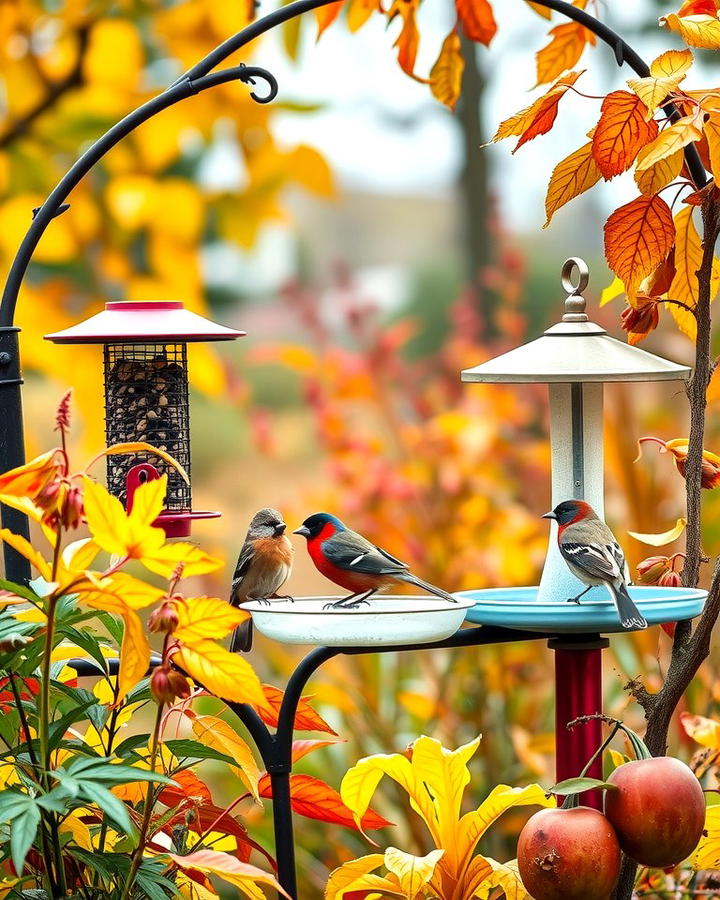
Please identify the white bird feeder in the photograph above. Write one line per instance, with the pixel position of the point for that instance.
(575, 358)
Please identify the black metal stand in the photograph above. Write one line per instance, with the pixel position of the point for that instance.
(275, 748)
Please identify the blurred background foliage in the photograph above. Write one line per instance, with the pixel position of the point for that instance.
(338, 399)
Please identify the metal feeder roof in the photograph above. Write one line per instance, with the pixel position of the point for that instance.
(147, 322)
(576, 350)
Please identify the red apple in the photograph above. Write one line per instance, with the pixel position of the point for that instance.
(658, 810)
(568, 854)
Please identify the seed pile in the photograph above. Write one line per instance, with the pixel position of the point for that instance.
(147, 400)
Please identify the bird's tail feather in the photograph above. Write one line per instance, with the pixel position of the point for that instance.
(242, 639)
(630, 615)
(426, 586)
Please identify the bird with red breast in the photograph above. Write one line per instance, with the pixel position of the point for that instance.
(354, 563)
(594, 556)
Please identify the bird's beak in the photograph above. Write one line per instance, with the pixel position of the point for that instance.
(280, 528)
(549, 515)
(305, 532)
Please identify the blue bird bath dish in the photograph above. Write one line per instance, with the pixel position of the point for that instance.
(518, 608)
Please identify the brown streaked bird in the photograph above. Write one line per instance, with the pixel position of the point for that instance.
(263, 567)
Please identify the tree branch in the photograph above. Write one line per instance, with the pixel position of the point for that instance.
(56, 90)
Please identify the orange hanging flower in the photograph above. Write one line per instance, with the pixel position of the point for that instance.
(678, 447)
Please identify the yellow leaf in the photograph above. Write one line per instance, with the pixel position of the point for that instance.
(413, 872)
(359, 783)
(666, 73)
(359, 12)
(563, 51)
(571, 177)
(115, 531)
(117, 40)
(165, 560)
(669, 141)
(446, 74)
(326, 15)
(79, 555)
(224, 674)
(659, 540)
(191, 890)
(25, 505)
(707, 854)
(702, 730)
(206, 617)
(507, 877)
(540, 10)
(711, 127)
(309, 169)
(474, 824)
(659, 175)
(26, 549)
(696, 31)
(240, 875)
(355, 875)
(684, 287)
(137, 446)
(29, 479)
(216, 733)
(132, 591)
(613, 290)
(132, 200)
(73, 824)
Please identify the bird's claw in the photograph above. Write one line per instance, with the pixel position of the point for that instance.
(574, 600)
(343, 603)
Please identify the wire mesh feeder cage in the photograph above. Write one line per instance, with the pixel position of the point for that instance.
(147, 395)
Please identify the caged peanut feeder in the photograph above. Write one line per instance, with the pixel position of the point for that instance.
(146, 395)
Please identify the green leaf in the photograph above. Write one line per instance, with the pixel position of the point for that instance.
(580, 784)
(23, 814)
(196, 750)
(130, 744)
(58, 728)
(87, 641)
(21, 590)
(97, 712)
(140, 693)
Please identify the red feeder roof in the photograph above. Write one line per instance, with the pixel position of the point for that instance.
(144, 322)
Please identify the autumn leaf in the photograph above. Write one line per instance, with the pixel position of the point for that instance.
(707, 853)
(356, 876)
(122, 534)
(359, 11)
(711, 127)
(224, 674)
(538, 118)
(206, 617)
(22, 546)
(314, 799)
(638, 236)
(665, 537)
(30, 478)
(539, 9)
(660, 174)
(673, 138)
(621, 132)
(413, 872)
(165, 559)
(446, 74)
(666, 73)
(571, 177)
(409, 37)
(306, 718)
(216, 733)
(678, 448)
(563, 51)
(326, 15)
(477, 20)
(241, 875)
(704, 731)
(684, 287)
(697, 31)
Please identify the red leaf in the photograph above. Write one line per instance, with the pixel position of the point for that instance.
(314, 799)
(302, 748)
(621, 133)
(477, 20)
(306, 719)
(206, 815)
(190, 787)
(545, 110)
(698, 8)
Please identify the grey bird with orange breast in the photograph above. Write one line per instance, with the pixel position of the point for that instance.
(594, 556)
(263, 567)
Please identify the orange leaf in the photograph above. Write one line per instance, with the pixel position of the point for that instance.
(700, 30)
(306, 719)
(409, 38)
(302, 748)
(326, 15)
(638, 236)
(540, 10)
(312, 798)
(189, 787)
(446, 74)
(359, 12)
(563, 51)
(698, 8)
(712, 133)
(538, 118)
(477, 20)
(621, 132)
(571, 177)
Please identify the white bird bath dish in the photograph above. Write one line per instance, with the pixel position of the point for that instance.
(388, 620)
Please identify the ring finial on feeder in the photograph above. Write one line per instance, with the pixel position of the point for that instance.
(575, 302)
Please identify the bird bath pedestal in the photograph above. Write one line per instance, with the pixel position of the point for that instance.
(574, 358)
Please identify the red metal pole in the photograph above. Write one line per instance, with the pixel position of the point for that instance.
(578, 692)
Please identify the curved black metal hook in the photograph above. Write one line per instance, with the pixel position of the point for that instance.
(246, 74)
